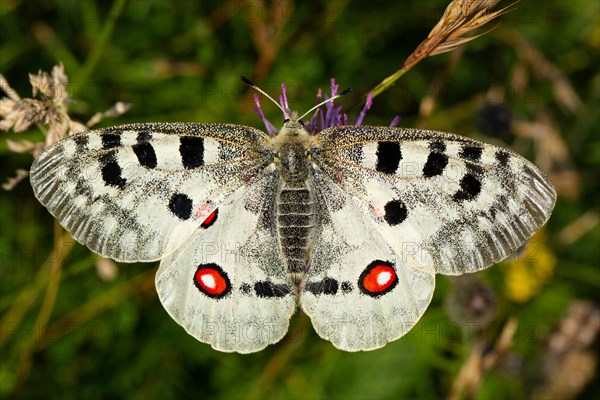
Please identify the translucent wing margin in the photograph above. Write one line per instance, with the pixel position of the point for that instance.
(455, 204)
(136, 192)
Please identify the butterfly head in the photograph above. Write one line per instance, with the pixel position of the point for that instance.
(293, 124)
(293, 131)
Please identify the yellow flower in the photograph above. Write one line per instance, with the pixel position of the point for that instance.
(529, 269)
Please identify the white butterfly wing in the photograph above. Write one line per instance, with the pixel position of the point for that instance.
(359, 292)
(136, 192)
(398, 206)
(228, 286)
(454, 204)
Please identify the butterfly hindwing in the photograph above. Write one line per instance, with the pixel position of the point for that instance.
(438, 199)
(359, 292)
(135, 192)
(229, 287)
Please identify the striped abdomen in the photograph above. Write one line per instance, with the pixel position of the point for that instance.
(295, 222)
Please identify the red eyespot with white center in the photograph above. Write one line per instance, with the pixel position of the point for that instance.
(211, 280)
(378, 278)
(207, 213)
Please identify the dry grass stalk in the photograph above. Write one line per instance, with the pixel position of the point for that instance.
(481, 361)
(48, 108)
(460, 18)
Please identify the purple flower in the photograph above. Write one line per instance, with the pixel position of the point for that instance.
(324, 117)
(271, 129)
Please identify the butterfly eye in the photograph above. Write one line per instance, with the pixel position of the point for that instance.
(301, 123)
(315, 151)
(285, 121)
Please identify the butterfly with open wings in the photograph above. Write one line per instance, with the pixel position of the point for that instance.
(350, 224)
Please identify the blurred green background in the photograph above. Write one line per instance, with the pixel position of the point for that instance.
(524, 328)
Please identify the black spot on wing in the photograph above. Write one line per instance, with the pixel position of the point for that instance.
(327, 286)
(388, 157)
(395, 212)
(475, 169)
(437, 146)
(111, 171)
(346, 287)
(144, 136)
(181, 205)
(471, 153)
(469, 188)
(436, 160)
(81, 142)
(145, 154)
(191, 149)
(502, 157)
(111, 140)
(111, 174)
(269, 289)
(435, 164)
(246, 289)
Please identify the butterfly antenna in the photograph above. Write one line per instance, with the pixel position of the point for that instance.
(345, 92)
(259, 90)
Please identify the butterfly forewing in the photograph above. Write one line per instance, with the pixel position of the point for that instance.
(135, 192)
(438, 199)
